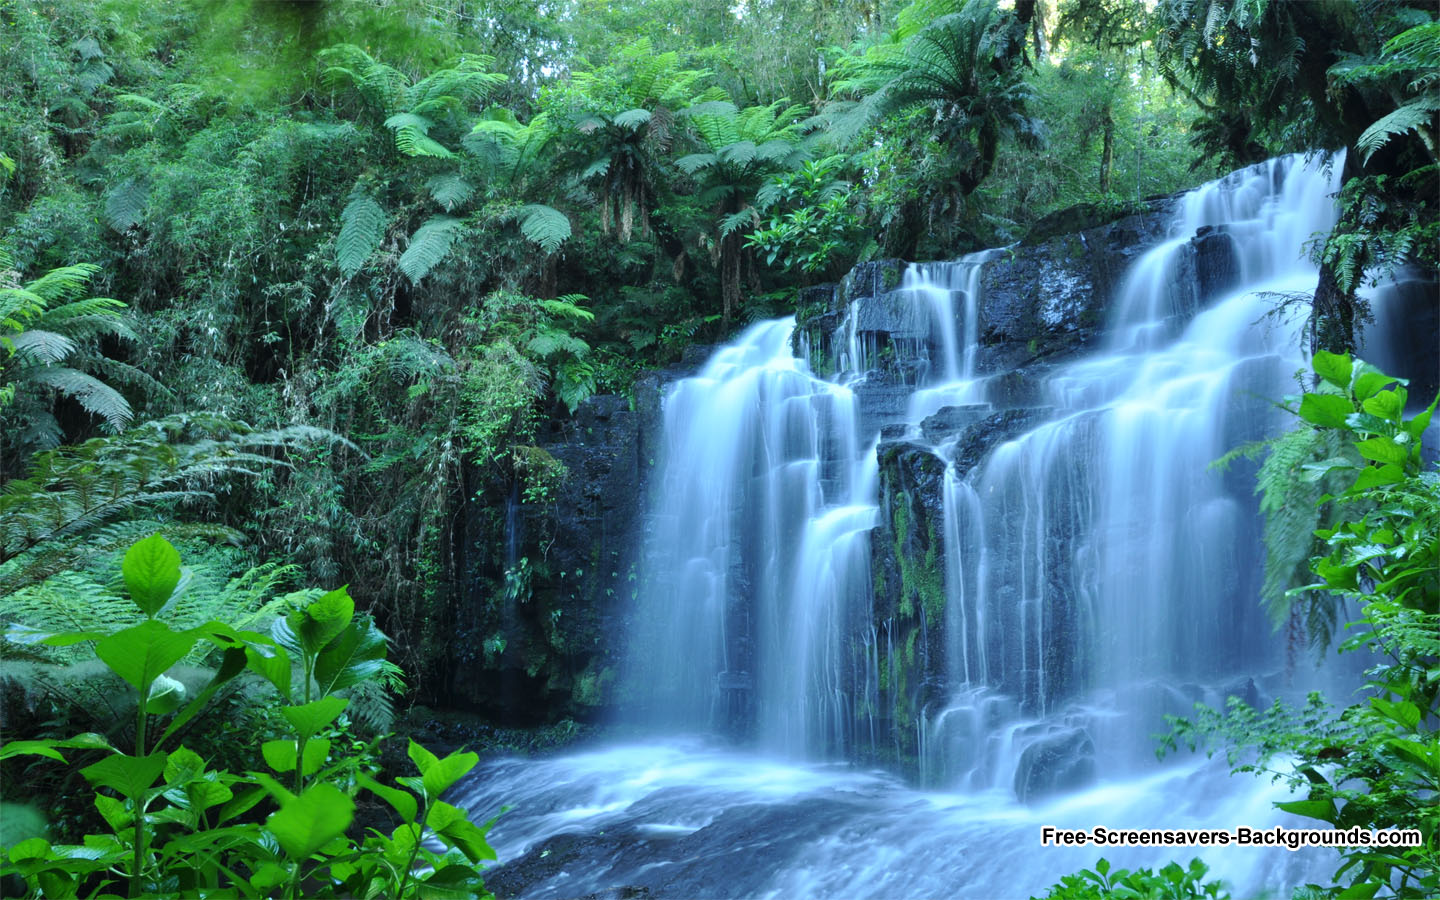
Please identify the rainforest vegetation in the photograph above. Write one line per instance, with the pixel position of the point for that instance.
(291, 290)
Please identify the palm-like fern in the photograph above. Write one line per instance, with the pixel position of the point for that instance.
(52, 332)
(512, 153)
(628, 130)
(740, 150)
(959, 67)
(1409, 66)
(412, 109)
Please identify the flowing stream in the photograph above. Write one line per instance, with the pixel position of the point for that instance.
(1096, 575)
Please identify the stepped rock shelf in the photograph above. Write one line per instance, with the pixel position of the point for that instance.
(956, 523)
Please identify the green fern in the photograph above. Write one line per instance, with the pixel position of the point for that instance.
(125, 205)
(449, 191)
(429, 245)
(1289, 501)
(1410, 117)
(544, 225)
(362, 228)
(72, 490)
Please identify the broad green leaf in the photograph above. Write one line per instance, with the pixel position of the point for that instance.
(26, 634)
(1382, 450)
(351, 658)
(151, 569)
(1363, 890)
(130, 776)
(319, 623)
(87, 741)
(456, 828)
(1323, 810)
(452, 883)
(402, 801)
(1389, 405)
(182, 765)
(115, 813)
(308, 718)
(1334, 368)
(207, 792)
(1402, 712)
(1416, 426)
(166, 695)
(32, 848)
(143, 652)
(1371, 476)
(308, 822)
(1368, 383)
(1326, 410)
(240, 804)
(1427, 758)
(280, 755)
(445, 772)
(274, 668)
(231, 665)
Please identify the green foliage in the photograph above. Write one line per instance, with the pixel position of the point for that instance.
(209, 831)
(362, 228)
(428, 245)
(1374, 764)
(71, 490)
(1172, 882)
(812, 226)
(53, 329)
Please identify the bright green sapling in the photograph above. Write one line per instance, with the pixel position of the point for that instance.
(178, 828)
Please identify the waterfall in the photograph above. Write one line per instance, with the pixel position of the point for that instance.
(758, 554)
(1094, 573)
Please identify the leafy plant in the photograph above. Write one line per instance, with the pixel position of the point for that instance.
(1375, 764)
(177, 826)
(1172, 882)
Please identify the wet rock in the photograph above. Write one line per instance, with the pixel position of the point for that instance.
(1055, 762)
(1051, 295)
(949, 421)
(978, 439)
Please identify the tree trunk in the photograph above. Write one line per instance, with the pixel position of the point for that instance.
(1334, 313)
(729, 277)
(1107, 150)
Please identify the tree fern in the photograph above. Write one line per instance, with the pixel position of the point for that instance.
(362, 228)
(1289, 501)
(94, 395)
(1413, 116)
(544, 225)
(450, 190)
(429, 245)
(125, 205)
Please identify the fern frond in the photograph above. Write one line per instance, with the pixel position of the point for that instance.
(449, 191)
(362, 228)
(1407, 118)
(544, 225)
(429, 245)
(125, 205)
(97, 397)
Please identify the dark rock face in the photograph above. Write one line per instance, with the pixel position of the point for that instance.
(1056, 762)
(538, 633)
(1052, 296)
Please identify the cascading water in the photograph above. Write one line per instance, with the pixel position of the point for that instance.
(1096, 574)
(758, 538)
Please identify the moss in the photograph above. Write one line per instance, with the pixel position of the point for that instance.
(592, 687)
(890, 277)
(930, 582)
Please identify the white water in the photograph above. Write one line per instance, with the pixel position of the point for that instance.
(1097, 575)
